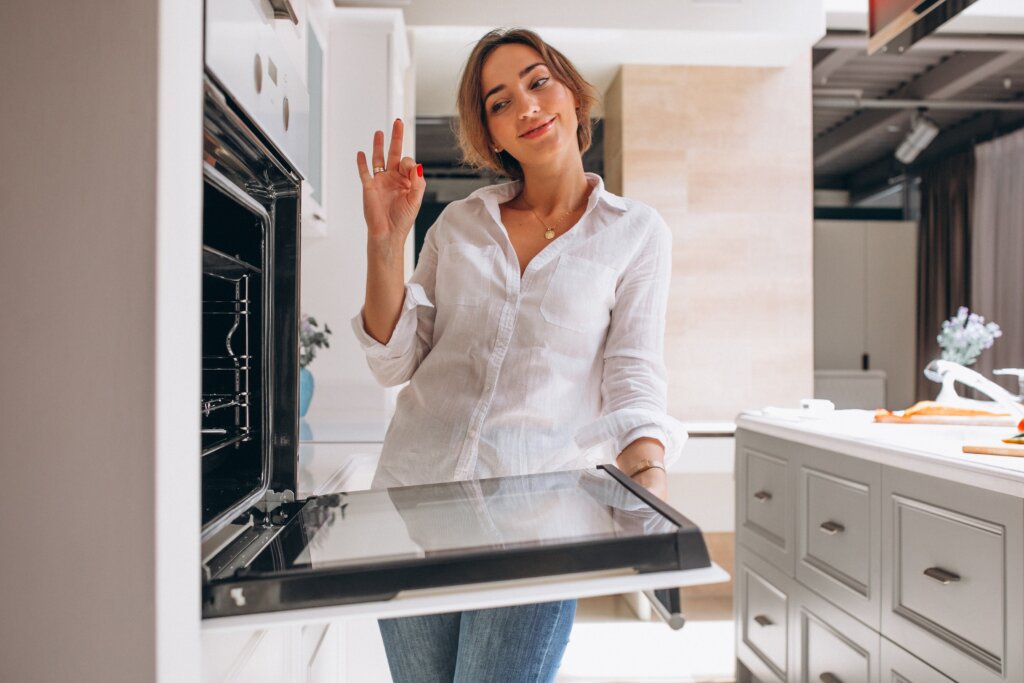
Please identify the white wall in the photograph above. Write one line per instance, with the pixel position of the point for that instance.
(99, 274)
(367, 71)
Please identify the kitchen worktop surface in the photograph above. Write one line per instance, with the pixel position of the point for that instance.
(935, 450)
(370, 428)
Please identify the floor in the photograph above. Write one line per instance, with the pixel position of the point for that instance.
(609, 644)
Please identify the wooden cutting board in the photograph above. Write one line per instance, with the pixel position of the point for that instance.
(996, 449)
(962, 420)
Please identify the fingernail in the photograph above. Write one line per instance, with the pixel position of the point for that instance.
(419, 170)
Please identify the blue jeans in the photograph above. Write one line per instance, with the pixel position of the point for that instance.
(518, 644)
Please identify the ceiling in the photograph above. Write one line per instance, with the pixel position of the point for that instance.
(854, 146)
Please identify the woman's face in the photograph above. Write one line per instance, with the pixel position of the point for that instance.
(529, 114)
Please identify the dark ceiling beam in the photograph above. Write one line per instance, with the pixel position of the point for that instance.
(946, 80)
(936, 42)
(855, 132)
(834, 61)
(964, 71)
(876, 175)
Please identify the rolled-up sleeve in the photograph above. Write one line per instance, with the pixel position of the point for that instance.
(634, 384)
(396, 361)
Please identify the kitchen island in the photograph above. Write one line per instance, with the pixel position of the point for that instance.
(876, 552)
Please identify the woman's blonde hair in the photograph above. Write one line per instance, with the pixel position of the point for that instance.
(473, 136)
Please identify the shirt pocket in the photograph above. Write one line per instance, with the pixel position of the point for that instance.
(580, 294)
(465, 274)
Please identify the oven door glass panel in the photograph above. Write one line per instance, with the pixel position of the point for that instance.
(369, 545)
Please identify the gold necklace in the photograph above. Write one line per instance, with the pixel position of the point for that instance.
(549, 232)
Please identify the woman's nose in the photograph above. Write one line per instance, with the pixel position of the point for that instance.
(528, 107)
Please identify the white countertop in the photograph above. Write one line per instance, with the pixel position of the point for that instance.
(935, 450)
(367, 427)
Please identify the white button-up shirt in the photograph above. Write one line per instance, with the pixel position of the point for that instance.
(561, 368)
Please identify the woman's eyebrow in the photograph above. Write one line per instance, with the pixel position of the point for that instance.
(522, 73)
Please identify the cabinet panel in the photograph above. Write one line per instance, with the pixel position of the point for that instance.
(762, 617)
(319, 660)
(832, 647)
(838, 531)
(260, 656)
(952, 584)
(899, 666)
(764, 498)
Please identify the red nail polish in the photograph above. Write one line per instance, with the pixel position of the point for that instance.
(419, 170)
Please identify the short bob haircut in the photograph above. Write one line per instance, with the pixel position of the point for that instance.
(474, 138)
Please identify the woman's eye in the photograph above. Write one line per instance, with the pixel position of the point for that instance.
(540, 81)
(497, 106)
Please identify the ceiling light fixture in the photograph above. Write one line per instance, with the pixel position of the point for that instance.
(922, 131)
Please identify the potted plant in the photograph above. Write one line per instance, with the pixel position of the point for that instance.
(311, 338)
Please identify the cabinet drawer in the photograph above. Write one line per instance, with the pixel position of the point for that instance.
(899, 666)
(838, 532)
(953, 575)
(765, 502)
(763, 617)
(834, 647)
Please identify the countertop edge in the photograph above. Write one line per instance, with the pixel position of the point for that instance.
(922, 462)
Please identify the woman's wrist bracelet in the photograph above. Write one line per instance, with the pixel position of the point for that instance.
(647, 464)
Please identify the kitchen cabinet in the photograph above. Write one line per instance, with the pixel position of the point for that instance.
(865, 276)
(893, 556)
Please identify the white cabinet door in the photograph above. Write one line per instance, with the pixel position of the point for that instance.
(259, 656)
(865, 277)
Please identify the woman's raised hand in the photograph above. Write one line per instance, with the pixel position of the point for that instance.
(392, 197)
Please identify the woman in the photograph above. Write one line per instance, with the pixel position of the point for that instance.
(531, 332)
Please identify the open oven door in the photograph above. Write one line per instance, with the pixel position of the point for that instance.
(449, 546)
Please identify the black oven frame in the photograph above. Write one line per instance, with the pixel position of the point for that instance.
(258, 187)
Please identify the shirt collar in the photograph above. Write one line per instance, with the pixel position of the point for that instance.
(493, 195)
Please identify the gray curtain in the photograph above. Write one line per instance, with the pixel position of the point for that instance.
(997, 250)
(944, 254)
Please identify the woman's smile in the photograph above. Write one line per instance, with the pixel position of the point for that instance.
(536, 132)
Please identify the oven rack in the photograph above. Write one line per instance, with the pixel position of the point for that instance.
(225, 266)
(227, 365)
(214, 402)
(215, 439)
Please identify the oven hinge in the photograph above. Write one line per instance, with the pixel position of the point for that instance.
(273, 499)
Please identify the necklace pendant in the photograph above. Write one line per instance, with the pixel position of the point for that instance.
(549, 234)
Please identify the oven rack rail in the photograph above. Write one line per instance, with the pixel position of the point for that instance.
(229, 436)
(225, 266)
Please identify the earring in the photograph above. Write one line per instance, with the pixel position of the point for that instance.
(497, 150)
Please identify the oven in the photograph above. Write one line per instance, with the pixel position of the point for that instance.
(264, 551)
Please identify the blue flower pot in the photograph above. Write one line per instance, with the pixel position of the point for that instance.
(305, 390)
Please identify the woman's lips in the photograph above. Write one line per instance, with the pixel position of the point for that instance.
(539, 130)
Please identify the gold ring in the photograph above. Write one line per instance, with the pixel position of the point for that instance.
(378, 169)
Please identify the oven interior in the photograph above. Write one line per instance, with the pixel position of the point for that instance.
(249, 406)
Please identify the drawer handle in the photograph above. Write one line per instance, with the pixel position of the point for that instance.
(762, 620)
(832, 528)
(829, 677)
(941, 575)
(762, 496)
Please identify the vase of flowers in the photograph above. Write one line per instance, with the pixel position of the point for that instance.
(962, 339)
(965, 336)
(311, 338)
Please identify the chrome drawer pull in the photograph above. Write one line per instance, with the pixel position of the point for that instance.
(762, 496)
(941, 575)
(762, 620)
(832, 528)
(828, 677)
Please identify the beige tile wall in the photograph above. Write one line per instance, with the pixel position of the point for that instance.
(724, 154)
